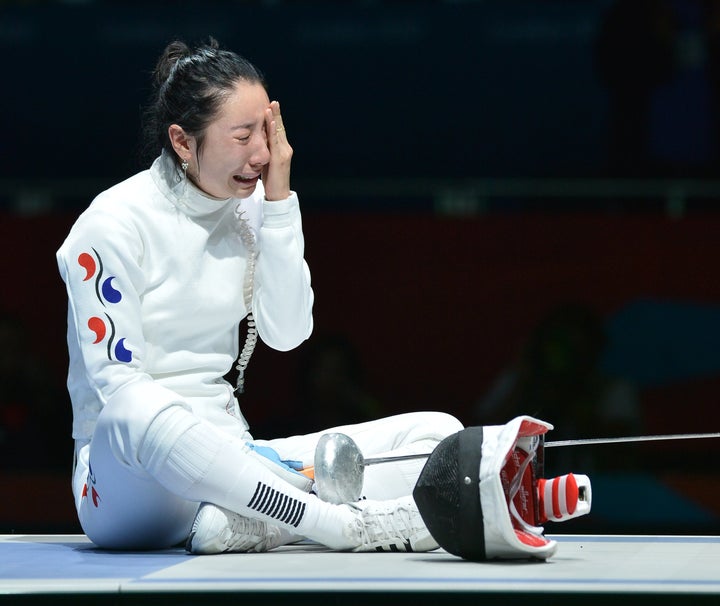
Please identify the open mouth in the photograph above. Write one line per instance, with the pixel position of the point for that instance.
(246, 180)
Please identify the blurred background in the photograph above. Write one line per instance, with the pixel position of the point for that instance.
(510, 207)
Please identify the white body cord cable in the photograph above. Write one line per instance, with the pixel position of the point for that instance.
(249, 240)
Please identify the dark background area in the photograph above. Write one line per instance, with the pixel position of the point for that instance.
(509, 207)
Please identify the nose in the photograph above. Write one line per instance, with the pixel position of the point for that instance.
(261, 153)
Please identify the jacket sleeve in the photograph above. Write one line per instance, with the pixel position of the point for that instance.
(283, 300)
(100, 265)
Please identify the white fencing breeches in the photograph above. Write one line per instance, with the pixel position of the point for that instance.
(139, 482)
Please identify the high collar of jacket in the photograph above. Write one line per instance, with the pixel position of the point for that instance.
(181, 191)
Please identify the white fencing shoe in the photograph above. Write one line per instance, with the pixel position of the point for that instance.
(394, 525)
(218, 530)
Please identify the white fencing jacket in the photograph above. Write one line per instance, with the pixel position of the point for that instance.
(154, 273)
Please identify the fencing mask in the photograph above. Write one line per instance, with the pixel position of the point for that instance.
(482, 496)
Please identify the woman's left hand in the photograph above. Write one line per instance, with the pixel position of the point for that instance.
(276, 174)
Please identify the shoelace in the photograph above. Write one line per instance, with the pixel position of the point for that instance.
(387, 526)
(241, 529)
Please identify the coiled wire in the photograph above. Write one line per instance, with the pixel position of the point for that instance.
(250, 241)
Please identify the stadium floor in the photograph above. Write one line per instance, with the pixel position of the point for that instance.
(64, 569)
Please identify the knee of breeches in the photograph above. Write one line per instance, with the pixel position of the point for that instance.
(443, 424)
(131, 426)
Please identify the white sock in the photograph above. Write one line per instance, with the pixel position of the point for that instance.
(193, 459)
